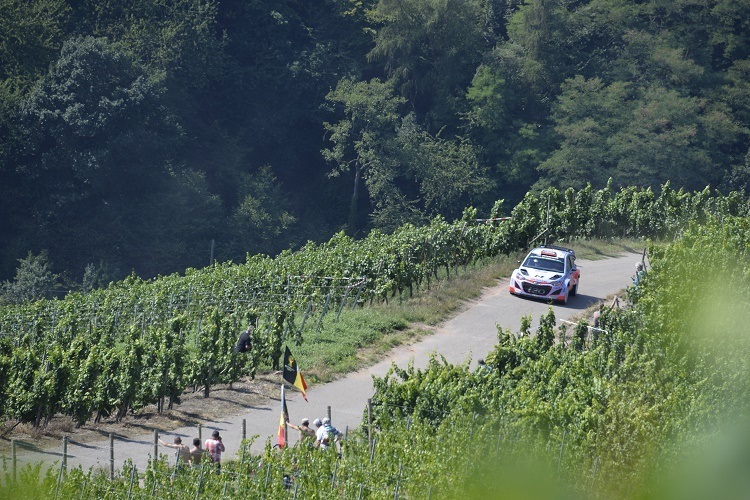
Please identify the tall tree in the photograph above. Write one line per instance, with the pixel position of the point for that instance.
(98, 166)
(638, 136)
(34, 280)
(31, 34)
(446, 173)
(507, 123)
(430, 48)
(362, 137)
(409, 173)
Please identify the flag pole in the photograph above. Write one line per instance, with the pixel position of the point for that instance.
(283, 404)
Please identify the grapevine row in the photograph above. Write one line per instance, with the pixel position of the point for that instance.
(141, 342)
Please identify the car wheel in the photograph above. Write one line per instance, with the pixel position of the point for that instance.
(564, 300)
(574, 290)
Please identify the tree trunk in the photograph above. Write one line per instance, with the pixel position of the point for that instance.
(38, 417)
(355, 201)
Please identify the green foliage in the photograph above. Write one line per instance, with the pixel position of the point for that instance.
(139, 342)
(34, 280)
(261, 215)
(136, 134)
(669, 374)
(640, 411)
(30, 37)
(430, 49)
(361, 140)
(637, 136)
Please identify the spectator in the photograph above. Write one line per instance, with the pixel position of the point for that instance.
(482, 367)
(214, 447)
(598, 313)
(183, 452)
(306, 433)
(196, 452)
(244, 343)
(640, 273)
(597, 316)
(327, 434)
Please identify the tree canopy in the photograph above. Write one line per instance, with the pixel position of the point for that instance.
(147, 136)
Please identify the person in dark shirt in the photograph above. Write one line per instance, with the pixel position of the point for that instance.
(244, 343)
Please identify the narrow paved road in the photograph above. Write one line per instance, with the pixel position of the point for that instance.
(469, 335)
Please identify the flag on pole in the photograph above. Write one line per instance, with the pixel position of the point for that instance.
(292, 373)
(283, 420)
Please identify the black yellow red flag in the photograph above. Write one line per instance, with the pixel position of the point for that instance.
(292, 373)
(283, 420)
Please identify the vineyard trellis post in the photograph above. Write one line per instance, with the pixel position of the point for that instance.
(546, 229)
(398, 481)
(307, 314)
(200, 480)
(369, 422)
(359, 293)
(13, 454)
(343, 302)
(156, 444)
(324, 310)
(562, 446)
(65, 453)
(111, 456)
(59, 479)
(333, 478)
(268, 476)
(132, 480)
(593, 475)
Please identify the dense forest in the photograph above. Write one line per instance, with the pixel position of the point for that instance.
(149, 136)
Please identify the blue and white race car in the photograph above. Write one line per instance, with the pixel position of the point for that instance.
(549, 273)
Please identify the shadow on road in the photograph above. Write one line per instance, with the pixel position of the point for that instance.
(580, 302)
(83, 445)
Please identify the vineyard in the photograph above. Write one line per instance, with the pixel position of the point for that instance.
(557, 413)
(118, 349)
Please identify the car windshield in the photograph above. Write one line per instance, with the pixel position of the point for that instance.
(544, 264)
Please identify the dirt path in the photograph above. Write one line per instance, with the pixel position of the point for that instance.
(468, 336)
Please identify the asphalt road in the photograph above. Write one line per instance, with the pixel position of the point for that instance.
(468, 336)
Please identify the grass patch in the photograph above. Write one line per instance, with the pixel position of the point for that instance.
(603, 249)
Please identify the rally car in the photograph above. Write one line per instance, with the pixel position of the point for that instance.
(549, 273)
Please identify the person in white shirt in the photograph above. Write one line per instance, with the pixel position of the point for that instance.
(327, 434)
(214, 447)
